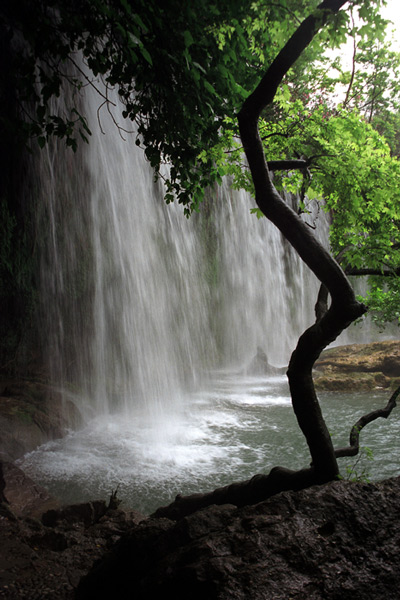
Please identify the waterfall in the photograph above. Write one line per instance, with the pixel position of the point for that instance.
(138, 303)
(149, 321)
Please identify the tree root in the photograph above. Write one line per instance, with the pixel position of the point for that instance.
(261, 487)
(252, 491)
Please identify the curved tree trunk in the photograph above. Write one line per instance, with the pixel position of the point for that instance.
(344, 308)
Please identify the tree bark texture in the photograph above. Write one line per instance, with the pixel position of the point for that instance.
(344, 307)
(343, 310)
(252, 491)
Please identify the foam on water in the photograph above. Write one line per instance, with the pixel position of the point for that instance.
(207, 445)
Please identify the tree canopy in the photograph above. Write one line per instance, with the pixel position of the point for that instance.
(179, 89)
(184, 91)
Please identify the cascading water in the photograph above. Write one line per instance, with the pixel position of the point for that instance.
(140, 306)
(139, 301)
(123, 298)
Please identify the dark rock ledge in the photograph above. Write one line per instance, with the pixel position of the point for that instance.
(339, 541)
(45, 549)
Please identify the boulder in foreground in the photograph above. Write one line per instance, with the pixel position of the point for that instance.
(337, 541)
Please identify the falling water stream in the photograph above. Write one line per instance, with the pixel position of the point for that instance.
(150, 320)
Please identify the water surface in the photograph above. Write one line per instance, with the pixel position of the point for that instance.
(238, 427)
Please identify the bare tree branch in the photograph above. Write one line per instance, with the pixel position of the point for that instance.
(354, 446)
(321, 306)
(256, 489)
(380, 272)
(287, 165)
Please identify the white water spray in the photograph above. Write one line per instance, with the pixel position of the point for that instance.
(139, 302)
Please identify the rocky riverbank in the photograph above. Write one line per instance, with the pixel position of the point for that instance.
(359, 367)
(337, 541)
(46, 549)
(330, 542)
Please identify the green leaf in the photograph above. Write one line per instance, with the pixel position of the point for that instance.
(256, 211)
(146, 55)
(188, 39)
(209, 87)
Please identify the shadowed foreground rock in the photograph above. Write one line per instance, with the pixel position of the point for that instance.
(45, 549)
(337, 541)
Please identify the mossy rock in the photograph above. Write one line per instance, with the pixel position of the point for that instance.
(359, 367)
(352, 382)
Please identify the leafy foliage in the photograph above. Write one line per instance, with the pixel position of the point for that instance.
(180, 89)
(358, 471)
(184, 90)
(344, 127)
(383, 300)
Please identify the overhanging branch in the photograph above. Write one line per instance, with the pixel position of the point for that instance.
(354, 446)
(287, 165)
(380, 272)
(267, 88)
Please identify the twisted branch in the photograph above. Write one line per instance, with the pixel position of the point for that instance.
(354, 446)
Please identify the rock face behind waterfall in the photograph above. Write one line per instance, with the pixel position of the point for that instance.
(336, 541)
(31, 413)
(260, 365)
